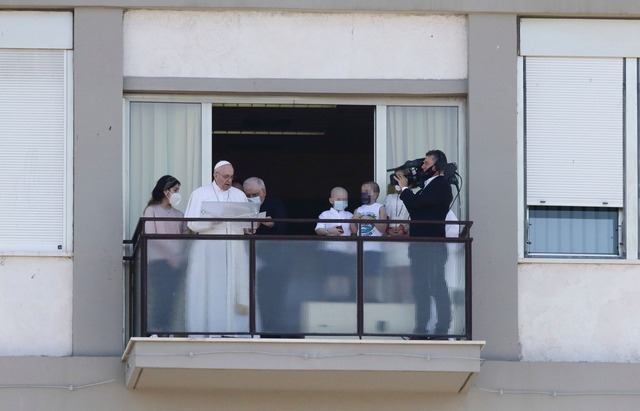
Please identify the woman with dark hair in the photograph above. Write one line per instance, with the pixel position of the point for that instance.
(166, 258)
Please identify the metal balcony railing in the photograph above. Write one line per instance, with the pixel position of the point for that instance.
(297, 286)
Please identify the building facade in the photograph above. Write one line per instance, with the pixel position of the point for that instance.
(535, 100)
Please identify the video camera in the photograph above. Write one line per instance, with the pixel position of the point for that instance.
(412, 169)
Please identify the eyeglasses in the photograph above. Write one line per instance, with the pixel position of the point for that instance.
(227, 177)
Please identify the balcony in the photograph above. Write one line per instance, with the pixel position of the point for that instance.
(294, 312)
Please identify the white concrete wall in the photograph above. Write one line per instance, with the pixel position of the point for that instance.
(35, 306)
(234, 44)
(579, 311)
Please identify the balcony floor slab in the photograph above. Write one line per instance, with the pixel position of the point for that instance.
(301, 364)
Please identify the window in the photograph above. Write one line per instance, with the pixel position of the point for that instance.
(173, 135)
(35, 125)
(573, 230)
(574, 153)
(578, 132)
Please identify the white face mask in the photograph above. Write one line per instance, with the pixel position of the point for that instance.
(174, 199)
(340, 205)
(255, 200)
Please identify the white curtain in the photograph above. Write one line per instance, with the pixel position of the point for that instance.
(164, 138)
(412, 131)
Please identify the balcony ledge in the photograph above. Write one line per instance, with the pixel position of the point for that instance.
(301, 364)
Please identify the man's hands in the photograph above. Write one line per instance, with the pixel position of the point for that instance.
(267, 223)
(401, 179)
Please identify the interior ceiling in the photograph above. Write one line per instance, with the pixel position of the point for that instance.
(279, 119)
(327, 130)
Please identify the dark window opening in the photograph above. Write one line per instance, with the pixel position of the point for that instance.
(301, 152)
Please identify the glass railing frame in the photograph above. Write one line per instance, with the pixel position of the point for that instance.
(136, 323)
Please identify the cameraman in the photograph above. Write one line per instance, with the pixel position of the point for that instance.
(431, 202)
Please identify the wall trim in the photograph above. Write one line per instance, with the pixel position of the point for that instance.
(296, 86)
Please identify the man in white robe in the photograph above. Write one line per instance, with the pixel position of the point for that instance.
(218, 274)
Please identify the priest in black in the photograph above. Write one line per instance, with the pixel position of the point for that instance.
(272, 276)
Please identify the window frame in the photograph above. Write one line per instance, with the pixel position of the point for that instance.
(52, 32)
(628, 214)
(561, 254)
(380, 128)
(535, 35)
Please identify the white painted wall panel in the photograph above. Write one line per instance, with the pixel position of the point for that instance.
(579, 312)
(35, 306)
(36, 30)
(579, 37)
(234, 44)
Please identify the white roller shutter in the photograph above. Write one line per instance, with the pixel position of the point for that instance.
(574, 131)
(33, 130)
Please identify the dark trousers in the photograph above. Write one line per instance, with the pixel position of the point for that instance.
(272, 286)
(165, 290)
(338, 276)
(427, 275)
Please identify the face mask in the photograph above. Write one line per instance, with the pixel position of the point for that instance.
(340, 205)
(255, 200)
(175, 199)
(428, 174)
(365, 198)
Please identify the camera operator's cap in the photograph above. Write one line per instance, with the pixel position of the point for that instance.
(220, 164)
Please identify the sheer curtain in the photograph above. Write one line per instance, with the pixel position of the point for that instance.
(411, 132)
(164, 138)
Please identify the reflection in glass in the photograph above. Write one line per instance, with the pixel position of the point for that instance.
(398, 312)
(303, 287)
(217, 286)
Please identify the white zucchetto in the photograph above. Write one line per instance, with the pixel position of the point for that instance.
(220, 164)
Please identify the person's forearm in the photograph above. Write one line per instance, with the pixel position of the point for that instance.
(199, 226)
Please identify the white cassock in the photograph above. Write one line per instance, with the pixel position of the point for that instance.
(218, 275)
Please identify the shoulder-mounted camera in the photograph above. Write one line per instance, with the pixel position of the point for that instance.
(412, 169)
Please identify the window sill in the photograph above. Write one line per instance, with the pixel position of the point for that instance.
(61, 254)
(576, 260)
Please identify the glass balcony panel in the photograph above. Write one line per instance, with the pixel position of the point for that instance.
(305, 287)
(166, 279)
(388, 300)
(280, 266)
(423, 290)
(200, 285)
(135, 295)
(454, 270)
(217, 286)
